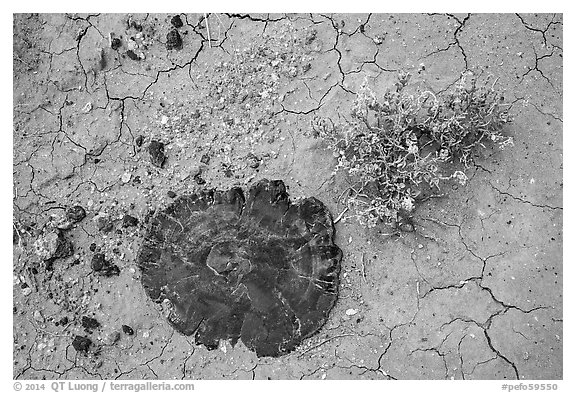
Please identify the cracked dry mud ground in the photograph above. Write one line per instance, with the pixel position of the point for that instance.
(475, 292)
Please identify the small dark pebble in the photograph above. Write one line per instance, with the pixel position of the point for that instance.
(110, 270)
(116, 43)
(176, 21)
(132, 55)
(64, 321)
(93, 247)
(136, 180)
(81, 343)
(173, 40)
(137, 26)
(128, 330)
(90, 324)
(98, 262)
(139, 140)
(156, 150)
(205, 159)
(104, 225)
(171, 194)
(102, 266)
(129, 221)
(75, 213)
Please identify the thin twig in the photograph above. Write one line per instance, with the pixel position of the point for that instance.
(324, 342)
(340, 215)
(18, 233)
(208, 30)
(363, 268)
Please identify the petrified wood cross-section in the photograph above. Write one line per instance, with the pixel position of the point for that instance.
(260, 268)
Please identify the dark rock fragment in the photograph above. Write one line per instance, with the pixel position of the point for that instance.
(98, 262)
(116, 43)
(176, 21)
(132, 55)
(135, 25)
(157, 156)
(105, 224)
(139, 140)
(257, 268)
(129, 221)
(106, 268)
(171, 194)
(173, 40)
(128, 330)
(81, 343)
(110, 270)
(89, 324)
(52, 244)
(92, 247)
(102, 62)
(205, 159)
(75, 214)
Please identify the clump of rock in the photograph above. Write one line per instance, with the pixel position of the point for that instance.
(52, 244)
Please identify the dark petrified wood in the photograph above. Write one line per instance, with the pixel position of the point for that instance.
(260, 269)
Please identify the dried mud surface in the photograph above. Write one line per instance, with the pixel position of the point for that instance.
(120, 125)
